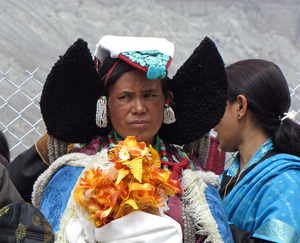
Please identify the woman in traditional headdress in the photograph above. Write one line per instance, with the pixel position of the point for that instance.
(130, 95)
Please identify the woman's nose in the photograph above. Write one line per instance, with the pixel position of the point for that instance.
(138, 106)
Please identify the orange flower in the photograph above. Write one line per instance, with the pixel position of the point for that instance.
(134, 148)
(135, 183)
(162, 178)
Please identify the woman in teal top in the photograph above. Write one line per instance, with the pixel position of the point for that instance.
(260, 189)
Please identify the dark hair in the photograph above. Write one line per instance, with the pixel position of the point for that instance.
(4, 148)
(267, 92)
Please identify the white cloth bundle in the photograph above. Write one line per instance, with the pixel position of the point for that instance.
(136, 227)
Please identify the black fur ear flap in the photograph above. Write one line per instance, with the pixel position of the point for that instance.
(70, 94)
(200, 95)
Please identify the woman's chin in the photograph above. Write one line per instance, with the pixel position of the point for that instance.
(141, 133)
(147, 139)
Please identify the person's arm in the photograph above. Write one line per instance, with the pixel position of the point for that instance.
(8, 192)
(276, 209)
(26, 168)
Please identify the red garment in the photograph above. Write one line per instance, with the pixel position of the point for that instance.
(216, 159)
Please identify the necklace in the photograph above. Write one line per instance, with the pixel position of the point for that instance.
(225, 192)
(111, 139)
(163, 152)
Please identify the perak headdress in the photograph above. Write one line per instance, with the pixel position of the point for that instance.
(72, 88)
(151, 55)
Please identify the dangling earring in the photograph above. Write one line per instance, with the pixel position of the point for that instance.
(169, 115)
(101, 112)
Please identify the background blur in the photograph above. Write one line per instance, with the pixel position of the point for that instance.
(34, 33)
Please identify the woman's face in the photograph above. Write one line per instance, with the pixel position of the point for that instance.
(228, 128)
(136, 106)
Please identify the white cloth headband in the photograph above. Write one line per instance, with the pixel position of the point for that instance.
(149, 54)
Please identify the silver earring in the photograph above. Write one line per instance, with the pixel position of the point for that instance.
(169, 115)
(101, 112)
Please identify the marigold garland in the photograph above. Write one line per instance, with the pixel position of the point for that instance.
(132, 182)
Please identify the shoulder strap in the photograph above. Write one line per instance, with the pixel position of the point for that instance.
(266, 156)
(227, 178)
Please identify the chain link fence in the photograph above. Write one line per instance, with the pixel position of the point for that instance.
(20, 116)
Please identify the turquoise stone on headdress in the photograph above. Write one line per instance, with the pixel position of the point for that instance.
(153, 61)
(155, 72)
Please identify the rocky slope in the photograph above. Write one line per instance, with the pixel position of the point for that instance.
(35, 32)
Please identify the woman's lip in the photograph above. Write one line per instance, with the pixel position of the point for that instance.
(139, 122)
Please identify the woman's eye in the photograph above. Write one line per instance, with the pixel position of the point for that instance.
(149, 95)
(124, 97)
